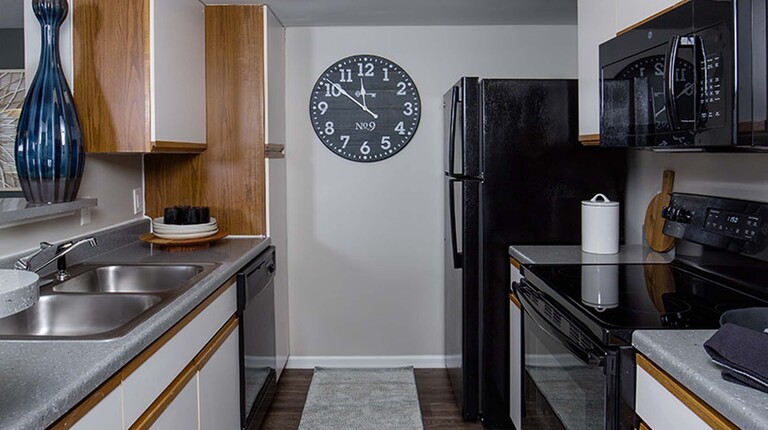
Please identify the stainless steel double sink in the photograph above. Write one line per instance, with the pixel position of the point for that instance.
(101, 301)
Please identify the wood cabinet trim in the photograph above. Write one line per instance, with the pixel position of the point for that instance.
(160, 404)
(274, 150)
(112, 74)
(514, 263)
(85, 406)
(663, 11)
(162, 146)
(210, 349)
(643, 426)
(707, 414)
(589, 139)
(167, 336)
(515, 301)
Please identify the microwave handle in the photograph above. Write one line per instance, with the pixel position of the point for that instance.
(700, 85)
(669, 82)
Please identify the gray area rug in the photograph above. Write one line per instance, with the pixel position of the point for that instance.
(362, 399)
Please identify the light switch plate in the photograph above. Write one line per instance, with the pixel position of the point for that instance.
(138, 201)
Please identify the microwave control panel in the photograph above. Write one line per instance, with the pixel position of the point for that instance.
(735, 225)
(712, 109)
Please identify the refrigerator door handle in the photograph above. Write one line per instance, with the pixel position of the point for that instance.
(457, 257)
(452, 133)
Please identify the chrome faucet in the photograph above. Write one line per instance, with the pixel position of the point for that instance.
(60, 258)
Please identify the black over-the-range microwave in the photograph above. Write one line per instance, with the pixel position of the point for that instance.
(692, 78)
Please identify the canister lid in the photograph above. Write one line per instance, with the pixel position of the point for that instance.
(595, 202)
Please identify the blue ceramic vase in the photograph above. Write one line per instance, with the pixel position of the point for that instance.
(49, 139)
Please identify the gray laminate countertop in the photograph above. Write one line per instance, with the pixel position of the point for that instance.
(572, 254)
(680, 353)
(42, 380)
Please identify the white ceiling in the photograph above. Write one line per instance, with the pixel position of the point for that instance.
(11, 13)
(301, 13)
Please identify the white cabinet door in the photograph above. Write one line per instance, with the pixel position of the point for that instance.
(515, 365)
(630, 12)
(177, 70)
(219, 382)
(596, 20)
(182, 412)
(106, 415)
(660, 409)
(147, 382)
(277, 212)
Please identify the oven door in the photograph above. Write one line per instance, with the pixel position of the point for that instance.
(569, 381)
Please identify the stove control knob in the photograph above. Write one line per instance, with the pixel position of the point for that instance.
(685, 216)
(666, 211)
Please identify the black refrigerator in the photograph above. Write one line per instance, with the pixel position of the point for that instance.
(515, 174)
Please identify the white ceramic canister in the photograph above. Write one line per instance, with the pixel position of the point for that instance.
(600, 225)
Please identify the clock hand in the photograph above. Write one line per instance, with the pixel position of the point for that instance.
(362, 92)
(343, 91)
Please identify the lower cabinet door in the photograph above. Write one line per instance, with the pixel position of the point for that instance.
(106, 415)
(220, 387)
(182, 412)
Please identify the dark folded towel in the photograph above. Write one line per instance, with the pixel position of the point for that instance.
(743, 353)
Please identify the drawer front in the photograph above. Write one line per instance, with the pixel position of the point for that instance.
(181, 413)
(145, 384)
(660, 409)
(106, 415)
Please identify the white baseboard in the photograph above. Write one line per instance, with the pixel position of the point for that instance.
(417, 361)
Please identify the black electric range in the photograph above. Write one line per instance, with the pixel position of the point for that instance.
(578, 320)
(643, 296)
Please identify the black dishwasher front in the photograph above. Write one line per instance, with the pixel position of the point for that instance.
(258, 358)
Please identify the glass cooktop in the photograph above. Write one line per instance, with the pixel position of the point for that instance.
(614, 300)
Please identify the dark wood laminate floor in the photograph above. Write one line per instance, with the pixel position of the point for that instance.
(438, 408)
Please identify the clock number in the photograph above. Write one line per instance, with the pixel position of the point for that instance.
(332, 90)
(346, 75)
(658, 69)
(408, 108)
(323, 106)
(400, 128)
(365, 149)
(401, 88)
(344, 140)
(329, 128)
(680, 75)
(385, 143)
(368, 69)
(386, 74)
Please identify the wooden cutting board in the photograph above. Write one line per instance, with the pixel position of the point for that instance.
(654, 223)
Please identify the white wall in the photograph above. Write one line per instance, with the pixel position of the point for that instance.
(109, 178)
(365, 240)
(739, 176)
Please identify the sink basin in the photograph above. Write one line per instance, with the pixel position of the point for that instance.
(59, 315)
(141, 279)
(101, 301)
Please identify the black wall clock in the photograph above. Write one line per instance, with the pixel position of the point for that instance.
(365, 108)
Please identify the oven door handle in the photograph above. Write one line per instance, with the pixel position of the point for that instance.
(592, 357)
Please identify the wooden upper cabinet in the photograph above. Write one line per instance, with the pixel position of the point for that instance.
(632, 12)
(139, 75)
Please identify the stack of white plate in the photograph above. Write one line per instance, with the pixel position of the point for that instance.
(190, 231)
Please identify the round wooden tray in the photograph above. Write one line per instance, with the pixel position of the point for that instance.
(177, 245)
